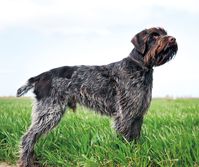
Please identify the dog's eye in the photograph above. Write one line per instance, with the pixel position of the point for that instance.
(155, 35)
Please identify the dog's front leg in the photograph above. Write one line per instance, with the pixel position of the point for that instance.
(130, 128)
(136, 128)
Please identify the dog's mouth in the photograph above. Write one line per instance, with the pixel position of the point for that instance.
(167, 53)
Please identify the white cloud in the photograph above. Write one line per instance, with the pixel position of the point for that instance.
(66, 16)
(189, 6)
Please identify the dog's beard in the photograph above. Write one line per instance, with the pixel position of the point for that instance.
(160, 53)
(166, 54)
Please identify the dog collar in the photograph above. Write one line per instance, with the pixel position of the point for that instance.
(140, 64)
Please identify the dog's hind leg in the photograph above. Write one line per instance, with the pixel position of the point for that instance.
(46, 115)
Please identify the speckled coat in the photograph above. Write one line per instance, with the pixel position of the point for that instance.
(121, 90)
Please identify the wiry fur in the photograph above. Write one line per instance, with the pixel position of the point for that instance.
(121, 90)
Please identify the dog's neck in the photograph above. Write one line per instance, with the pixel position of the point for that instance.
(138, 59)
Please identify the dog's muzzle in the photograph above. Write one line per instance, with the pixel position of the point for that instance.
(166, 50)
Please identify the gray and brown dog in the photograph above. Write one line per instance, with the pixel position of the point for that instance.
(121, 90)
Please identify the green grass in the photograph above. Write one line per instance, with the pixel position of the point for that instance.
(170, 136)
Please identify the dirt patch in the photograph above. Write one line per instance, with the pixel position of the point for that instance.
(7, 165)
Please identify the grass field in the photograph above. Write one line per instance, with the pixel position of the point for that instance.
(170, 136)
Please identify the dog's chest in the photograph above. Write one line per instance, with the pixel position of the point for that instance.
(146, 99)
(144, 92)
(137, 90)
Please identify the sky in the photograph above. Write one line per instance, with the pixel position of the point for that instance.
(38, 35)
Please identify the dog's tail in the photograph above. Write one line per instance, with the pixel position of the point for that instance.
(25, 88)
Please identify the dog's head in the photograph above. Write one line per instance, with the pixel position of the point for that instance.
(155, 45)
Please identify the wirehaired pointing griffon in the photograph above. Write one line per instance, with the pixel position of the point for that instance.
(121, 90)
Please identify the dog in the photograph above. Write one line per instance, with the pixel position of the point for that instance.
(122, 90)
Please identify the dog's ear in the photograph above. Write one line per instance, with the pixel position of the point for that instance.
(139, 41)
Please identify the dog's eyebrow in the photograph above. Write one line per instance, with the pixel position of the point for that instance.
(158, 30)
(155, 33)
(162, 30)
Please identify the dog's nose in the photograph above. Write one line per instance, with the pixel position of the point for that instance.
(171, 39)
